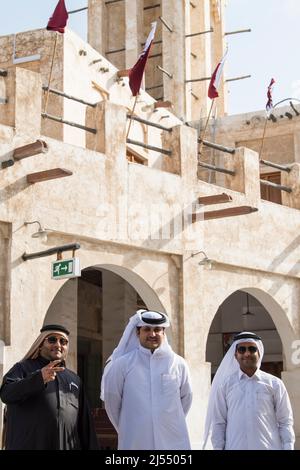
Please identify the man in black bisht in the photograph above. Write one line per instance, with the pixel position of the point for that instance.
(46, 405)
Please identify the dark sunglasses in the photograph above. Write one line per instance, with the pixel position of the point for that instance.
(54, 339)
(243, 349)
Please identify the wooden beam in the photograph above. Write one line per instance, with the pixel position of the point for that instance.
(57, 250)
(163, 104)
(275, 165)
(103, 92)
(212, 145)
(215, 168)
(123, 73)
(69, 123)
(170, 75)
(214, 199)
(237, 78)
(78, 9)
(48, 175)
(222, 213)
(238, 31)
(201, 32)
(166, 24)
(69, 97)
(29, 150)
(149, 147)
(149, 123)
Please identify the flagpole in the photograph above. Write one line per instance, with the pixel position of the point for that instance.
(51, 70)
(131, 114)
(263, 139)
(205, 127)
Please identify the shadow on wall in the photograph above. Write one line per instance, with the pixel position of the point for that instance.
(1, 377)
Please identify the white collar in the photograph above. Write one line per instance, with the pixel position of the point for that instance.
(160, 351)
(256, 375)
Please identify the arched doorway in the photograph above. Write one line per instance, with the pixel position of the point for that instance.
(96, 307)
(242, 311)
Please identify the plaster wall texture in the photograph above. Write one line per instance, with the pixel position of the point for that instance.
(281, 142)
(259, 251)
(125, 25)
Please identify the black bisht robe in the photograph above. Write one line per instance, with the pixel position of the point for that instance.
(46, 417)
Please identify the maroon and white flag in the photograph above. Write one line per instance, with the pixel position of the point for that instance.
(137, 71)
(59, 18)
(269, 105)
(216, 78)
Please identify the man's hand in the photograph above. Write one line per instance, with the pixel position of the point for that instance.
(49, 371)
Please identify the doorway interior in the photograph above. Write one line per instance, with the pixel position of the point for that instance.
(241, 311)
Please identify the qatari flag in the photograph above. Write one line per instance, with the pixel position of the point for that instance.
(137, 71)
(216, 78)
(269, 105)
(59, 18)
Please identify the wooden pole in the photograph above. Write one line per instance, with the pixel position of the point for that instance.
(131, 114)
(263, 138)
(51, 70)
(205, 127)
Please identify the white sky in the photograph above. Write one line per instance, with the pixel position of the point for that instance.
(270, 50)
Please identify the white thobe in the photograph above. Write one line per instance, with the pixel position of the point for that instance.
(147, 397)
(252, 413)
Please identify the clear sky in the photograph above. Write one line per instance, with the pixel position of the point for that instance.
(270, 50)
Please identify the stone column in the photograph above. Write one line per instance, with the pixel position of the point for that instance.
(173, 48)
(23, 109)
(194, 332)
(291, 380)
(5, 280)
(1, 378)
(133, 33)
(97, 33)
(297, 146)
(217, 52)
(119, 303)
(245, 163)
(199, 60)
(182, 142)
(292, 180)
(109, 119)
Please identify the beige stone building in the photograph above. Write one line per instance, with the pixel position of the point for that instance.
(145, 214)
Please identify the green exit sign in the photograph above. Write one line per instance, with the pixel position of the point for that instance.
(64, 268)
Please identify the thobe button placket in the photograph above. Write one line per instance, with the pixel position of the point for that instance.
(251, 411)
(152, 386)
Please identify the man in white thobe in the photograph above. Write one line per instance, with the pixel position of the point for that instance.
(249, 409)
(146, 387)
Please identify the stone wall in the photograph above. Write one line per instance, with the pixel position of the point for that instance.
(107, 203)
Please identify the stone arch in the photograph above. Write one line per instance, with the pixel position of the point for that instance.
(273, 307)
(63, 306)
(282, 315)
(77, 305)
(279, 317)
(142, 287)
(146, 292)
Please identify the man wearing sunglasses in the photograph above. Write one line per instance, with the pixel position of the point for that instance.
(46, 405)
(146, 387)
(248, 409)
